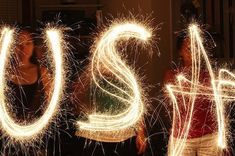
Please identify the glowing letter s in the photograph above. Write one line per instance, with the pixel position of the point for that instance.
(106, 62)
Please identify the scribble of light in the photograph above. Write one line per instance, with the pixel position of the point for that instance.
(30, 131)
(107, 64)
(193, 88)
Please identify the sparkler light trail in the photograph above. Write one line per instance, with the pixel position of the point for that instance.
(195, 89)
(106, 65)
(30, 131)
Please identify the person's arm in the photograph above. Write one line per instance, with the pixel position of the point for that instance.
(141, 141)
(80, 94)
(46, 82)
(169, 78)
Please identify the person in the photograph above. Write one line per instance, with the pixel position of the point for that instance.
(189, 11)
(81, 99)
(202, 136)
(29, 84)
(28, 78)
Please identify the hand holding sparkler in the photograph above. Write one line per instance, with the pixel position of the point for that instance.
(141, 140)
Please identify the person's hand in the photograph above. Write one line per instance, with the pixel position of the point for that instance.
(141, 143)
(227, 152)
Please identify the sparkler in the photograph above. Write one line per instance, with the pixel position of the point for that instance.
(30, 131)
(106, 62)
(198, 53)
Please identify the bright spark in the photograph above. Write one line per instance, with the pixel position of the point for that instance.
(30, 131)
(106, 62)
(198, 53)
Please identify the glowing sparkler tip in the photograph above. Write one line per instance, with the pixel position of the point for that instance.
(180, 77)
(193, 26)
(221, 145)
(147, 35)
